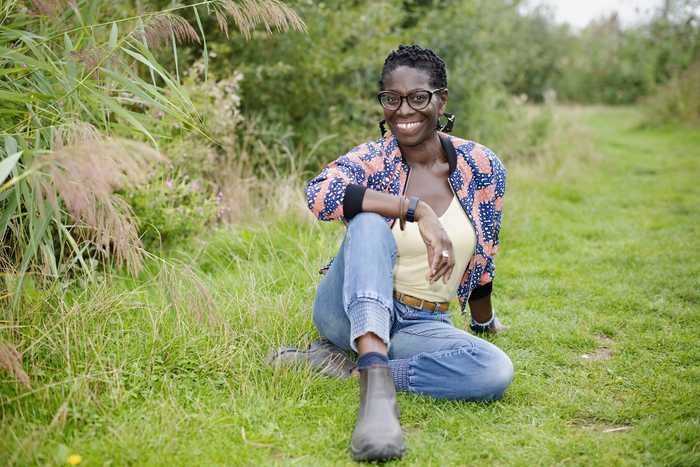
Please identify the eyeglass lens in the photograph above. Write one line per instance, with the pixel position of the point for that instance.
(418, 100)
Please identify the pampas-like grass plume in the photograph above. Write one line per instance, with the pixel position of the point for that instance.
(11, 361)
(83, 172)
(160, 28)
(48, 8)
(248, 14)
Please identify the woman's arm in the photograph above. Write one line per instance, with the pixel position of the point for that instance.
(327, 193)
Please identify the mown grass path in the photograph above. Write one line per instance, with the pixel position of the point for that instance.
(598, 276)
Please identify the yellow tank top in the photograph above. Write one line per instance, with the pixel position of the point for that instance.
(411, 265)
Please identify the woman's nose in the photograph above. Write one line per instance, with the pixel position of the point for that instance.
(404, 108)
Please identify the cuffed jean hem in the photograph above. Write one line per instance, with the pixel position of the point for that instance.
(399, 372)
(368, 315)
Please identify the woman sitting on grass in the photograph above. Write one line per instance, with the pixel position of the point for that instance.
(386, 294)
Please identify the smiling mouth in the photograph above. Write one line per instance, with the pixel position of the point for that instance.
(408, 125)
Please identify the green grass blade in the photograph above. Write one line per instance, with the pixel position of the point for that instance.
(113, 36)
(8, 164)
(8, 210)
(13, 97)
(36, 237)
(205, 50)
(177, 64)
(127, 115)
(77, 251)
(152, 64)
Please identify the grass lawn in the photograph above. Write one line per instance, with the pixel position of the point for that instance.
(598, 277)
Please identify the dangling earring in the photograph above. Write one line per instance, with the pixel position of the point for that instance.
(382, 128)
(449, 124)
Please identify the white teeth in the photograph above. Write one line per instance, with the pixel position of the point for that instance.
(407, 126)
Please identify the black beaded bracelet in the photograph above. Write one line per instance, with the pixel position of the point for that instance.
(412, 205)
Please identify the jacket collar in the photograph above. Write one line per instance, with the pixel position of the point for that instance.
(392, 150)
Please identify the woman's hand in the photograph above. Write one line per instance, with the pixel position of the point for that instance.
(437, 242)
(434, 236)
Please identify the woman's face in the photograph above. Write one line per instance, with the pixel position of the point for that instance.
(413, 127)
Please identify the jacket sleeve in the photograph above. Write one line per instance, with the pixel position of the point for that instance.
(337, 192)
(493, 229)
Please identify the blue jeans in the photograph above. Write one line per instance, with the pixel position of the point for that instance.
(427, 354)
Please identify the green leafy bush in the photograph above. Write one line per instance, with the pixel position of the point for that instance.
(606, 63)
(316, 91)
(676, 101)
(172, 210)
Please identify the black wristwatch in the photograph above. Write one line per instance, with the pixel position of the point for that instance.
(412, 205)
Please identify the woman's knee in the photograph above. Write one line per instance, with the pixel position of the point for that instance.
(368, 220)
(369, 224)
(491, 381)
(481, 373)
(498, 376)
(371, 228)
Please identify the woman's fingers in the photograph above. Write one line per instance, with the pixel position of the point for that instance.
(437, 242)
(437, 274)
(443, 270)
(448, 273)
(437, 263)
(432, 262)
(441, 266)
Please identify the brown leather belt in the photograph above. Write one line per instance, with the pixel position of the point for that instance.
(438, 307)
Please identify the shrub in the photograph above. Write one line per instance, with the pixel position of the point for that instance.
(608, 63)
(316, 91)
(676, 101)
(172, 210)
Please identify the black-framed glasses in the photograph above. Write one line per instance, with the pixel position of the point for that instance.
(417, 100)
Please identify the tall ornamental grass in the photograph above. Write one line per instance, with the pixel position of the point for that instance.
(81, 83)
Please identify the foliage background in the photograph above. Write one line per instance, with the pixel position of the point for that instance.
(234, 107)
(148, 145)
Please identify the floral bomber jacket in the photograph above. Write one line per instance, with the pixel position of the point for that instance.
(477, 177)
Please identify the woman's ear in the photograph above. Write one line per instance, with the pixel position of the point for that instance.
(443, 102)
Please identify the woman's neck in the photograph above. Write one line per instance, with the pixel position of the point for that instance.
(426, 153)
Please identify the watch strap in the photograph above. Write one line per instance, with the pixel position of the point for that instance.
(411, 212)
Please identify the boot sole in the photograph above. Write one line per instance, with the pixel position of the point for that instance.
(378, 453)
